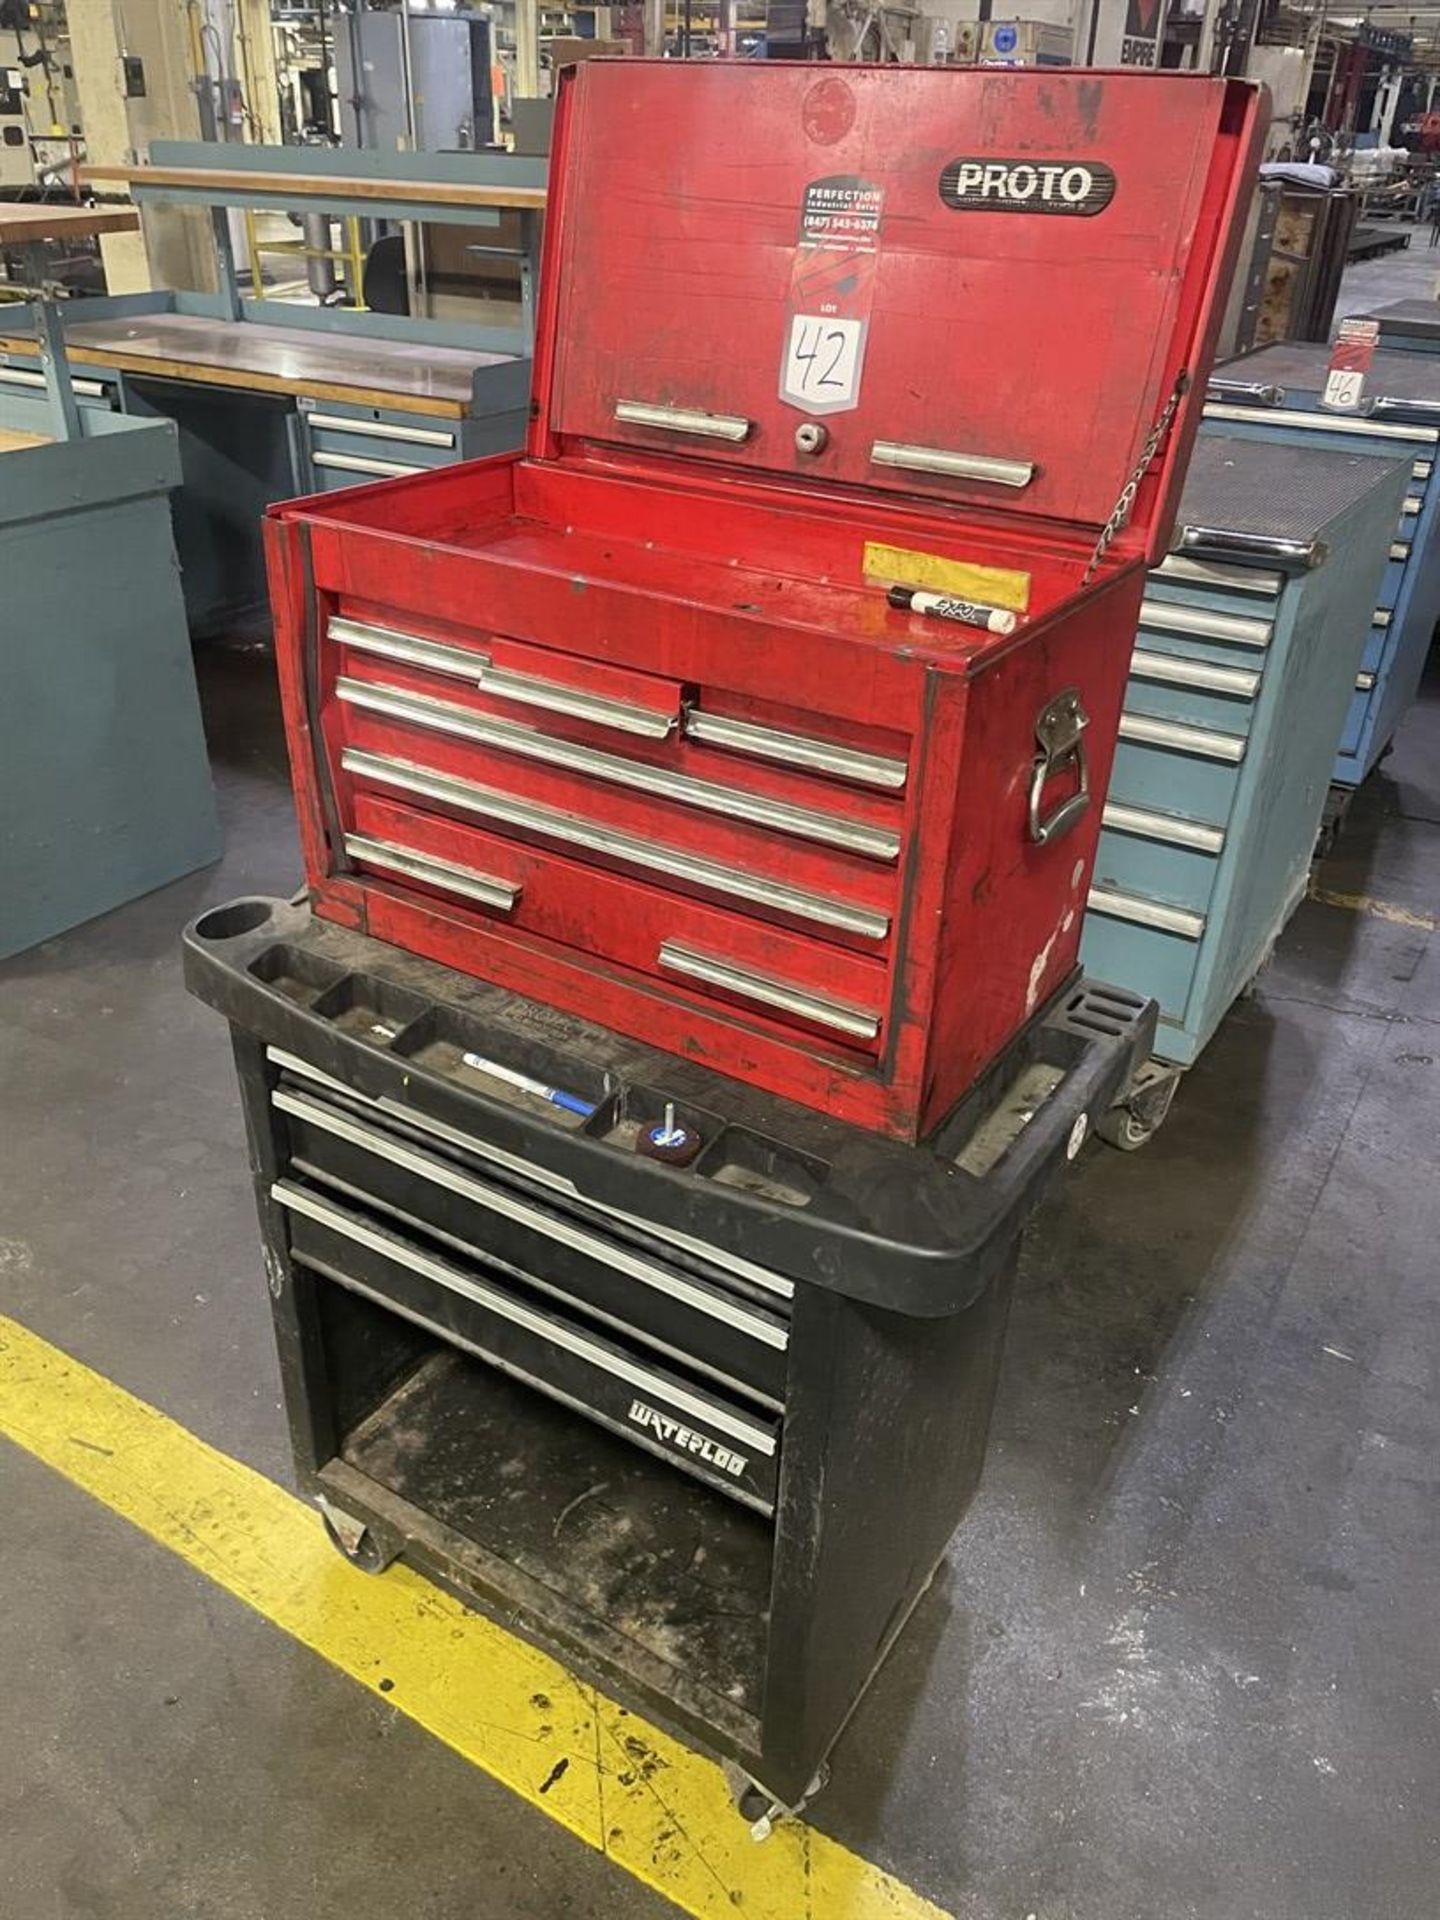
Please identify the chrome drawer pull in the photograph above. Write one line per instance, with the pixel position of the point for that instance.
(362, 463)
(391, 1247)
(795, 750)
(448, 874)
(771, 993)
(478, 669)
(391, 644)
(954, 466)
(1168, 733)
(1194, 673)
(1264, 546)
(694, 420)
(552, 1226)
(25, 377)
(1389, 406)
(1328, 423)
(1412, 506)
(1364, 682)
(674, 862)
(1399, 549)
(1421, 470)
(378, 429)
(1167, 827)
(1381, 617)
(422, 710)
(1203, 625)
(1204, 573)
(1147, 913)
(529, 691)
(1251, 392)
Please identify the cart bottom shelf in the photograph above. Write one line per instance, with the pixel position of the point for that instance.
(592, 1544)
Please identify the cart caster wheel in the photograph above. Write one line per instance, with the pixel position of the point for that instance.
(358, 1543)
(759, 1808)
(1138, 1116)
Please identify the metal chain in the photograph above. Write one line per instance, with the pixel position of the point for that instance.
(1120, 512)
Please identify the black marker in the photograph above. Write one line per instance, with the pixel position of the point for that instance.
(941, 606)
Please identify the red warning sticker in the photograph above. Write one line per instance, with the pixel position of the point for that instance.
(832, 285)
(1351, 358)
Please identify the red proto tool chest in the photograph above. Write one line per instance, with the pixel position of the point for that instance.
(627, 723)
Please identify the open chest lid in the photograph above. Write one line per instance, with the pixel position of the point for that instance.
(970, 285)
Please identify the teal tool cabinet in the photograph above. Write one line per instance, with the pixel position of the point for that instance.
(1250, 639)
(1274, 396)
(104, 781)
(1408, 326)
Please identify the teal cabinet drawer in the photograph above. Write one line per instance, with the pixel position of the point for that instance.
(1226, 708)
(1168, 768)
(1148, 959)
(1157, 856)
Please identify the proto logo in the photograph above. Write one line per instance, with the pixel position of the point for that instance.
(685, 1440)
(1082, 187)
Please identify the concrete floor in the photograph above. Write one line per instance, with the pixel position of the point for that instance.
(1182, 1661)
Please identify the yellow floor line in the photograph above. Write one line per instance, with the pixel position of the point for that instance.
(656, 1809)
(1376, 909)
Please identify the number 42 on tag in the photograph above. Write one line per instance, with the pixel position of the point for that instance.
(821, 369)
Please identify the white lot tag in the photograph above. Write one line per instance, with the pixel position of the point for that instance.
(821, 370)
(1343, 389)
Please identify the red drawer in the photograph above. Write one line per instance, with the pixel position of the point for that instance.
(701, 952)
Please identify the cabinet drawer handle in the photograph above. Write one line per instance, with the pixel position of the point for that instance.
(733, 803)
(796, 750)
(461, 664)
(1169, 733)
(676, 863)
(1146, 913)
(391, 644)
(954, 466)
(1169, 617)
(692, 420)
(1221, 541)
(823, 1011)
(1328, 423)
(1200, 674)
(447, 874)
(1170, 828)
(378, 429)
(1217, 573)
(362, 463)
(1252, 393)
(529, 691)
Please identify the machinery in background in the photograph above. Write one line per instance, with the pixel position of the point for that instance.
(415, 80)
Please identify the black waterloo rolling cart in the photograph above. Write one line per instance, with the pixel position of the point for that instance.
(704, 1430)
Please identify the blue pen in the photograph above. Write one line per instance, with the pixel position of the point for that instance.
(557, 1096)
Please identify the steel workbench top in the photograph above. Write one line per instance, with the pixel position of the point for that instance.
(284, 360)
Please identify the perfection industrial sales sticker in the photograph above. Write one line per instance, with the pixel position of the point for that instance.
(832, 286)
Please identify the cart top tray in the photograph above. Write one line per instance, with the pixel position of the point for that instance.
(916, 1229)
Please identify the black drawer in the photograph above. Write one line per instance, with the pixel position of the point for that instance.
(663, 1303)
(491, 1310)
